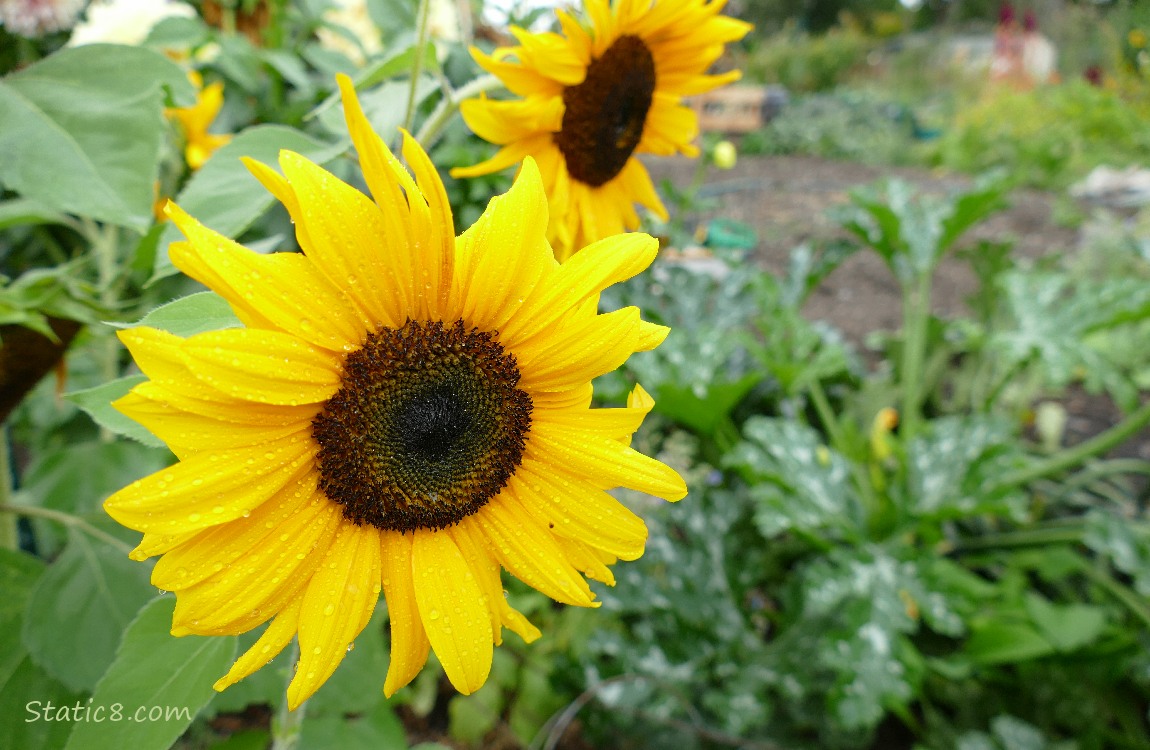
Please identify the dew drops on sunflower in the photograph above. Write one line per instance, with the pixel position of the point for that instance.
(413, 433)
(608, 87)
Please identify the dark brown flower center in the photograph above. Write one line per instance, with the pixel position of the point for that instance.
(427, 426)
(604, 116)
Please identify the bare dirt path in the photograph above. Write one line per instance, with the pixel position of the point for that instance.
(785, 199)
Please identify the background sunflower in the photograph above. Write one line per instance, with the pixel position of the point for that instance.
(608, 87)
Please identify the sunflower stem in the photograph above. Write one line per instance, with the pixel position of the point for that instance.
(9, 537)
(105, 245)
(288, 724)
(8, 510)
(417, 64)
(437, 121)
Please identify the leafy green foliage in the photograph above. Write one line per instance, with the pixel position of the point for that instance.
(224, 196)
(92, 583)
(156, 685)
(56, 118)
(1047, 137)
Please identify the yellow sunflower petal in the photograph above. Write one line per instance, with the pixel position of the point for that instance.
(295, 508)
(279, 291)
(588, 272)
(336, 607)
(187, 433)
(607, 462)
(210, 488)
(580, 351)
(504, 255)
(263, 366)
(266, 648)
(486, 570)
(220, 408)
(160, 356)
(436, 240)
(349, 239)
(579, 511)
(522, 546)
(451, 608)
(409, 644)
(584, 559)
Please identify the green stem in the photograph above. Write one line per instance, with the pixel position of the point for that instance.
(838, 442)
(1101, 470)
(1075, 455)
(826, 415)
(288, 724)
(417, 64)
(449, 104)
(1032, 537)
(1135, 603)
(916, 316)
(9, 537)
(59, 516)
(1000, 386)
(104, 241)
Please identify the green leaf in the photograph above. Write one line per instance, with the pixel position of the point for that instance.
(187, 316)
(35, 710)
(703, 409)
(1000, 642)
(797, 482)
(225, 196)
(379, 729)
(161, 683)
(356, 686)
(473, 716)
(26, 211)
(79, 609)
(1057, 319)
(1068, 626)
(1125, 543)
(947, 466)
(97, 403)
(24, 688)
(80, 131)
(18, 575)
(384, 107)
(378, 72)
(79, 479)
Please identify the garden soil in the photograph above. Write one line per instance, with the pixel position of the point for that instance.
(785, 200)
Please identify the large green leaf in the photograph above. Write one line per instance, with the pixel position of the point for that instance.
(187, 316)
(797, 481)
(947, 468)
(81, 130)
(25, 690)
(225, 196)
(159, 681)
(18, 575)
(97, 403)
(79, 609)
(1057, 319)
(78, 480)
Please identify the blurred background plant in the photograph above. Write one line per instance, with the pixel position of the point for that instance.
(903, 546)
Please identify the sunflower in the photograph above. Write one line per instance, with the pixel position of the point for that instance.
(403, 410)
(593, 98)
(196, 119)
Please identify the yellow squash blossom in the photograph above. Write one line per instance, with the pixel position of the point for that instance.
(595, 96)
(195, 121)
(404, 411)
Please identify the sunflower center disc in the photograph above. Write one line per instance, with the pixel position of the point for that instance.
(604, 116)
(427, 426)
